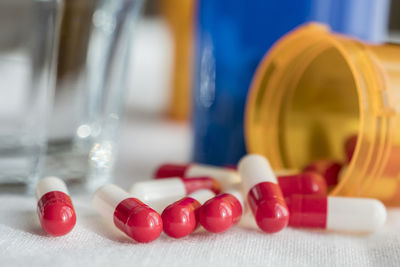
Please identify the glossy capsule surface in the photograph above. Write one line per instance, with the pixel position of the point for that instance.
(264, 195)
(55, 210)
(221, 212)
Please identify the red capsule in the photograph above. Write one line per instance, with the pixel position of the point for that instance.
(55, 210)
(264, 195)
(307, 183)
(329, 169)
(128, 214)
(181, 217)
(336, 213)
(221, 212)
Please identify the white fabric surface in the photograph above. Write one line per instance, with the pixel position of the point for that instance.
(146, 143)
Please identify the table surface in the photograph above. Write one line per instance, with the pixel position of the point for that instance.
(149, 141)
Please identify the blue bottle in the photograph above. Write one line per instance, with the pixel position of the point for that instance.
(231, 38)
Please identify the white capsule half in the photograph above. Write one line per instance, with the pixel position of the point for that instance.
(168, 190)
(355, 214)
(202, 195)
(106, 200)
(226, 177)
(255, 169)
(50, 184)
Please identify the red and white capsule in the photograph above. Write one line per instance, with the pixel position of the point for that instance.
(220, 213)
(264, 195)
(329, 169)
(171, 189)
(55, 210)
(181, 217)
(307, 183)
(227, 177)
(336, 213)
(128, 214)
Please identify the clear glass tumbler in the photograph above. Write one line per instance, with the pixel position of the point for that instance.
(93, 56)
(28, 40)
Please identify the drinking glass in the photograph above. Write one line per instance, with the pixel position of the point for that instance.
(93, 58)
(28, 41)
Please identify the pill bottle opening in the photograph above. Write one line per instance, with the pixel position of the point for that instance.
(314, 90)
(319, 111)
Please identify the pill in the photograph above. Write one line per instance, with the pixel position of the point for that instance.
(55, 210)
(171, 189)
(329, 169)
(264, 195)
(221, 212)
(350, 146)
(128, 214)
(307, 183)
(227, 177)
(181, 217)
(336, 213)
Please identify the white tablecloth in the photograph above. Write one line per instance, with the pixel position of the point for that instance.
(146, 143)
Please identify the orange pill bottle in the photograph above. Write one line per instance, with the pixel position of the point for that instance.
(312, 91)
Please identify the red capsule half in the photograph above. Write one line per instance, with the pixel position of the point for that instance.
(55, 210)
(56, 213)
(171, 170)
(329, 169)
(268, 206)
(180, 218)
(220, 213)
(307, 183)
(138, 220)
(307, 211)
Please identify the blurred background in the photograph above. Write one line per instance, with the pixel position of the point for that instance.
(140, 83)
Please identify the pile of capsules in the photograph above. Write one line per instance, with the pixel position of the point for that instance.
(295, 200)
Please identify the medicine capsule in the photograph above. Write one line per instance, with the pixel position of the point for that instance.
(264, 195)
(307, 183)
(336, 213)
(227, 177)
(220, 213)
(181, 217)
(329, 169)
(55, 210)
(171, 189)
(128, 214)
